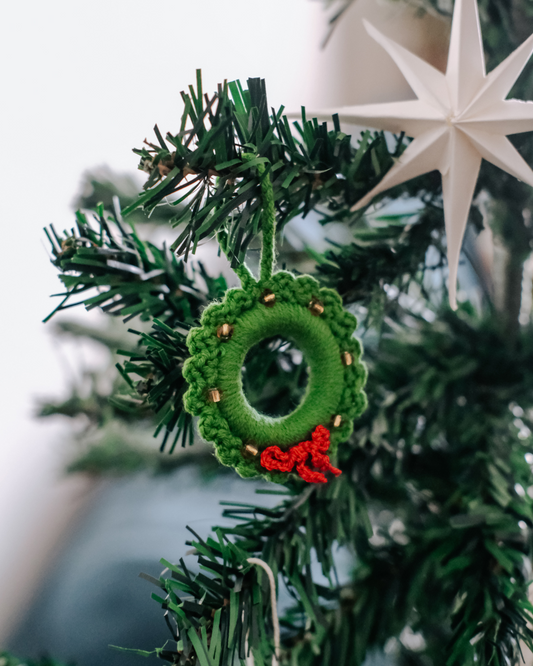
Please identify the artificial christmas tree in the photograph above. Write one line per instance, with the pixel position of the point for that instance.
(435, 495)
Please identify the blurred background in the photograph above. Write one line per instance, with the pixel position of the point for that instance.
(82, 84)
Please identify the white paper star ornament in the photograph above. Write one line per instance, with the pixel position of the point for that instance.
(458, 119)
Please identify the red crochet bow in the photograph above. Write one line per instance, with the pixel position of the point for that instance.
(274, 458)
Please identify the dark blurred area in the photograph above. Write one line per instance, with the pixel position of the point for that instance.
(92, 597)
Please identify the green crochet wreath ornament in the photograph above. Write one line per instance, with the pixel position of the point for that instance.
(314, 319)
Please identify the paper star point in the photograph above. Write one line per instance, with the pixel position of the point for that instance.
(458, 119)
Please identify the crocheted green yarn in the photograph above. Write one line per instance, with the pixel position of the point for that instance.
(333, 388)
(314, 338)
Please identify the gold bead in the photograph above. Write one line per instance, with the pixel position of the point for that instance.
(337, 421)
(346, 358)
(225, 332)
(316, 307)
(268, 298)
(214, 395)
(250, 450)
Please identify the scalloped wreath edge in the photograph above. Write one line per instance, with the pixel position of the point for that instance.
(201, 369)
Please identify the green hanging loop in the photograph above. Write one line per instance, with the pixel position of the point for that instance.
(243, 272)
(268, 221)
(268, 228)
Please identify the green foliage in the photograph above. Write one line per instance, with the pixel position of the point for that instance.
(434, 501)
(134, 278)
(119, 451)
(438, 460)
(392, 252)
(449, 449)
(318, 168)
(102, 186)
(219, 614)
(7, 659)
(229, 603)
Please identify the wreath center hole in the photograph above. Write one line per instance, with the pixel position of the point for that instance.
(274, 376)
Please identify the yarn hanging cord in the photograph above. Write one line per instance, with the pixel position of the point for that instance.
(274, 606)
(268, 228)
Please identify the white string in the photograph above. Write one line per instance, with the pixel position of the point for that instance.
(274, 606)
